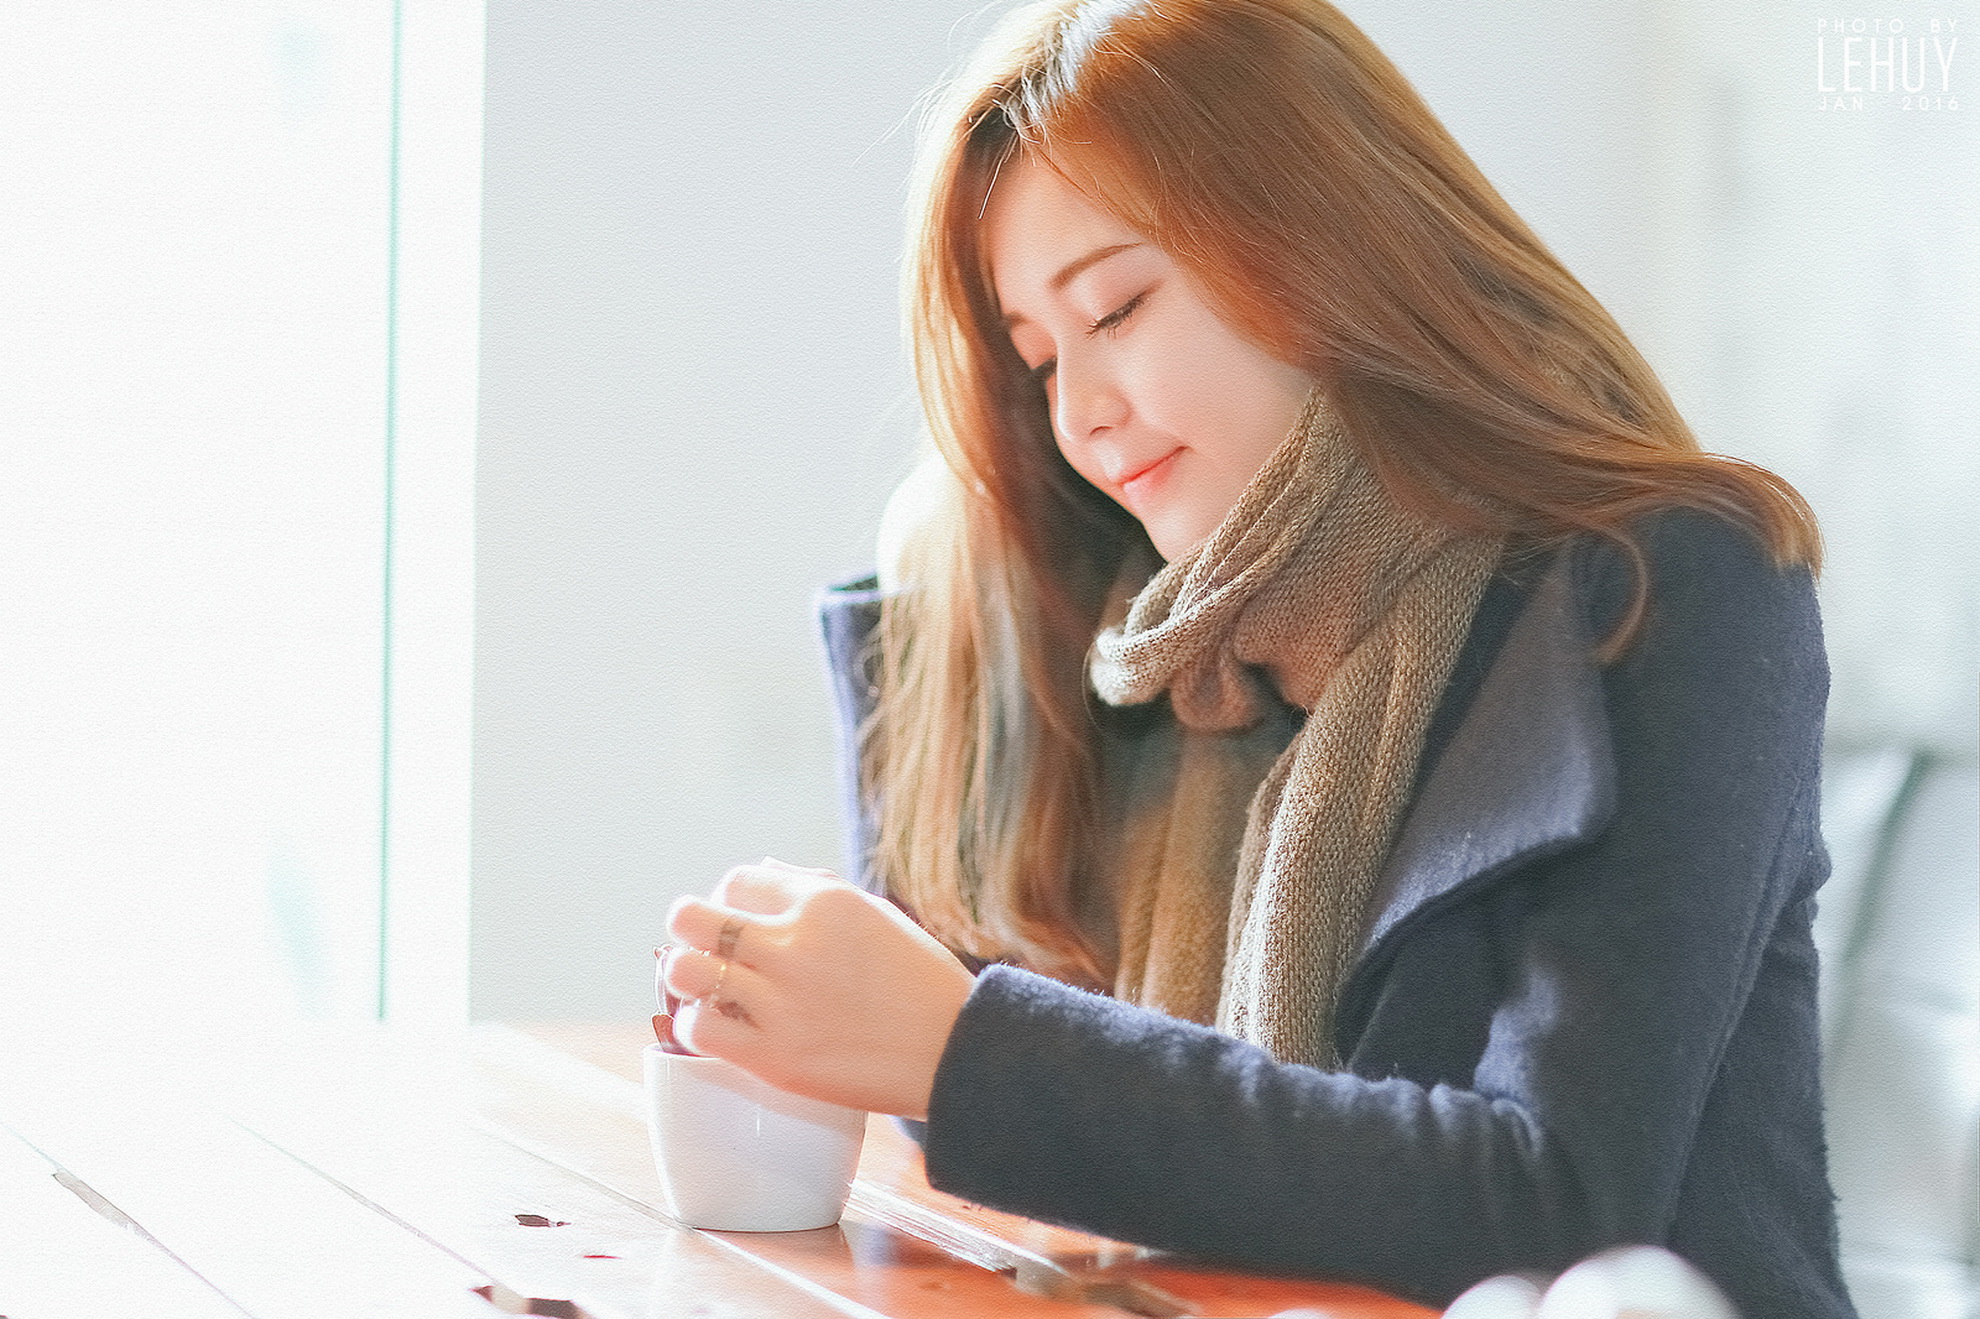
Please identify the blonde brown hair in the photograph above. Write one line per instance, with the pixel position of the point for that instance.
(1273, 151)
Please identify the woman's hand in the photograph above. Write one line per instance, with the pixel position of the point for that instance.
(828, 991)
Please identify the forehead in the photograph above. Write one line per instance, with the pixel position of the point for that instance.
(1034, 224)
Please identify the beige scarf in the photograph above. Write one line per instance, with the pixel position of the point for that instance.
(1318, 590)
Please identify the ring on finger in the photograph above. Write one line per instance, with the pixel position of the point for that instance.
(724, 1007)
(725, 943)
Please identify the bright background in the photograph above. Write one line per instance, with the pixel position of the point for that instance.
(343, 386)
(238, 261)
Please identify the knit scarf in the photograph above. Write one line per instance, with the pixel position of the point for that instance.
(1317, 591)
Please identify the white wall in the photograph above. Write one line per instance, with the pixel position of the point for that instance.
(694, 403)
(694, 400)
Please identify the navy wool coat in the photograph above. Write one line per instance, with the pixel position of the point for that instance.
(1584, 1011)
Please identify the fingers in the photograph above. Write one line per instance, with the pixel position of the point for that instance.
(715, 929)
(690, 973)
(718, 1028)
(758, 891)
(695, 975)
(771, 887)
(746, 894)
(715, 1012)
(727, 945)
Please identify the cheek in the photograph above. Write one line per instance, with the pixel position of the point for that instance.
(1187, 368)
(1247, 403)
(1169, 385)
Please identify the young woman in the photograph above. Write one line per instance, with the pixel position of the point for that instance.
(1366, 751)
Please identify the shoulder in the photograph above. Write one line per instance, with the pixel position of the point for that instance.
(1726, 663)
(1706, 580)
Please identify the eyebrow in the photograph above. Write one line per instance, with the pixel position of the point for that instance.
(1071, 270)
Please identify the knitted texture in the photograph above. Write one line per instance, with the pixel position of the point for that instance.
(1318, 591)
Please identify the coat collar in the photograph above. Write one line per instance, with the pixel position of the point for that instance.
(1529, 771)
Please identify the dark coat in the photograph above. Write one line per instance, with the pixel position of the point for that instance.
(1585, 1010)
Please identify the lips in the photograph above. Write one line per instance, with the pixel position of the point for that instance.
(1141, 480)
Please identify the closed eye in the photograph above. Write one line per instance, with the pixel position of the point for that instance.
(1114, 319)
(1107, 324)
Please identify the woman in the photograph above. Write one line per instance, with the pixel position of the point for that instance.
(1320, 635)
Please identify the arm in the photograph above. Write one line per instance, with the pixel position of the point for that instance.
(1618, 971)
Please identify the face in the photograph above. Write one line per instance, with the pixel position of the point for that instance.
(1156, 401)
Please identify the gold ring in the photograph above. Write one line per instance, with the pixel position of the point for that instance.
(725, 1007)
(725, 943)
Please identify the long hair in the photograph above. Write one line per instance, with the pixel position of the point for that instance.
(1277, 155)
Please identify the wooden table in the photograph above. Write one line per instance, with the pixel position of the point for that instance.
(366, 1172)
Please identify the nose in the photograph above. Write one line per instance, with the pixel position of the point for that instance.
(1087, 401)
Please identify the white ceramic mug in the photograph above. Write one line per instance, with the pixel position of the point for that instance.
(736, 1154)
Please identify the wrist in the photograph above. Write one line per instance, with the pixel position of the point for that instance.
(945, 1009)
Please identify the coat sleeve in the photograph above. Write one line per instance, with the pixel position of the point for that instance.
(1625, 964)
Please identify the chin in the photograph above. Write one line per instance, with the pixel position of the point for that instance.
(1172, 545)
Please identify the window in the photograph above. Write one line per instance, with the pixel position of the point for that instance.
(237, 380)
